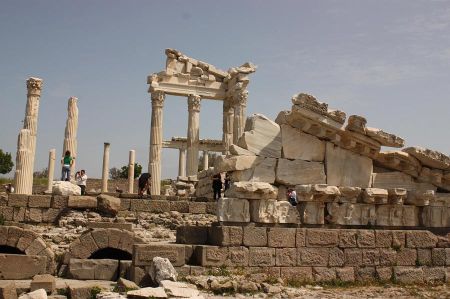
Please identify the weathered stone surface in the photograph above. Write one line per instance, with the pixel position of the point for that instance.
(317, 192)
(37, 294)
(394, 179)
(317, 110)
(349, 194)
(433, 216)
(299, 145)
(299, 172)
(428, 157)
(146, 293)
(224, 235)
(65, 188)
(313, 256)
(385, 139)
(420, 239)
(233, 163)
(82, 202)
(124, 284)
(143, 254)
(281, 237)
(322, 238)
(25, 266)
(262, 136)
(233, 210)
(39, 201)
(161, 269)
(286, 257)
(238, 256)
(408, 275)
(345, 168)
(374, 196)
(398, 160)
(261, 256)
(17, 200)
(397, 215)
(44, 281)
(255, 236)
(108, 205)
(396, 196)
(324, 274)
(263, 170)
(179, 289)
(192, 234)
(356, 124)
(239, 151)
(273, 211)
(351, 214)
(88, 269)
(311, 212)
(420, 198)
(8, 290)
(211, 255)
(252, 190)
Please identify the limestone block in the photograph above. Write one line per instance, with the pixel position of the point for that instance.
(262, 136)
(239, 151)
(374, 196)
(351, 214)
(211, 255)
(262, 171)
(397, 215)
(356, 124)
(345, 168)
(348, 194)
(224, 236)
(233, 210)
(273, 211)
(238, 256)
(396, 196)
(179, 289)
(143, 254)
(394, 179)
(317, 192)
(398, 160)
(311, 212)
(261, 256)
(298, 172)
(25, 266)
(82, 202)
(8, 290)
(233, 163)
(39, 201)
(255, 236)
(408, 275)
(252, 190)
(428, 157)
(65, 188)
(420, 239)
(299, 145)
(420, 198)
(281, 237)
(322, 238)
(161, 269)
(145, 293)
(44, 281)
(385, 139)
(435, 216)
(108, 205)
(37, 294)
(313, 256)
(88, 269)
(441, 200)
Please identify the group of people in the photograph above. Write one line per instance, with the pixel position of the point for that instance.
(218, 185)
(80, 176)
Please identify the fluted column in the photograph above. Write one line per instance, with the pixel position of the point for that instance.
(131, 160)
(23, 176)
(51, 169)
(193, 134)
(26, 148)
(240, 101)
(205, 160)
(70, 134)
(182, 162)
(227, 127)
(105, 172)
(156, 131)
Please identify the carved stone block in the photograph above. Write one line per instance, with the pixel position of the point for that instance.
(317, 192)
(273, 211)
(233, 210)
(351, 214)
(374, 196)
(312, 212)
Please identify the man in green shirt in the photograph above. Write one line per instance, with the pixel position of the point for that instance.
(66, 162)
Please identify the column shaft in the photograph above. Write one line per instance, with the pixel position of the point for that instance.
(70, 133)
(182, 162)
(193, 134)
(227, 127)
(156, 131)
(51, 169)
(205, 160)
(131, 160)
(240, 101)
(105, 172)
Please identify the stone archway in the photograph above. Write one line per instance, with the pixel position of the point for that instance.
(91, 242)
(16, 240)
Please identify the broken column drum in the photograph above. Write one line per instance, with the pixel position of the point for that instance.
(182, 162)
(154, 166)
(131, 160)
(193, 134)
(51, 168)
(70, 134)
(105, 172)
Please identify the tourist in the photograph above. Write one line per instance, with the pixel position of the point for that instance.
(9, 188)
(217, 186)
(292, 196)
(81, 179)
(144, 183)
(227, 182)
(66, 162)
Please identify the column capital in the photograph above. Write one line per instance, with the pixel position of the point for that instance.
(241, 97)
(194, 102)
(34, 86)
(158, 98)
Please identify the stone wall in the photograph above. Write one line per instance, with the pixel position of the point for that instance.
(96, 184)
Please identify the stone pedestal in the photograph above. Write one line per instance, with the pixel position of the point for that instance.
(105, 172)
(131, 160)
(154, 166)
(193, 134)
(26, 147)
(70, 134)
(51, 169)
(182, 163)
(228, 118)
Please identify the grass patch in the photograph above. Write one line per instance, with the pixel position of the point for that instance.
(95, 291)
(220, 271)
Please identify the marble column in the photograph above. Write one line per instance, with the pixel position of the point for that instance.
(131, 160)
(182, 162)
(240, 101)
(25, 156)
(205, 160)
(156, 131)
(105, 172)
(23, 176)
(193, 134)
(227, 127)
(70, 134)
(51, 169)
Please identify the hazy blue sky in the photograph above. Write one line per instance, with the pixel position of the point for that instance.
(386, 60)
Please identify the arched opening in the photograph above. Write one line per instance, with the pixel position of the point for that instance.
(10, 250)
(111, 253)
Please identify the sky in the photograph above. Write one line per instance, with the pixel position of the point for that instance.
(388, 61)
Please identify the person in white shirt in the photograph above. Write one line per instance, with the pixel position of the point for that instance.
(81, 179)
(9, 188)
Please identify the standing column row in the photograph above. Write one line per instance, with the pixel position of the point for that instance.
(193, 133)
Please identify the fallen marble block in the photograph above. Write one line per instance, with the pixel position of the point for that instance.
(233, 210)
(317, 192)
(432, 176)
(398, 160)
(232, 163)
(312, 212)
(420, 198)
(428, 157)
(239, 151)
(263, 170)
(297, 172)
(385, 139)
(252, 190)
(309, 102)
(397, 215)
(374, 196)
(65, 188)
(351, 214)
(299, 145)
(273, 211)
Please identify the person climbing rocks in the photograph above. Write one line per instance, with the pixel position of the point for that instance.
(144, 183)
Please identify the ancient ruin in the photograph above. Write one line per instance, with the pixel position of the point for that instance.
(361, 214)
(70, 133)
